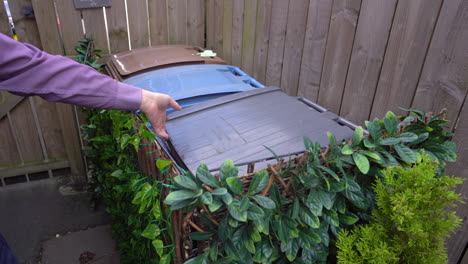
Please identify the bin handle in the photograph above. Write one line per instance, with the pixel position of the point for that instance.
(349, 124)
(254, 83)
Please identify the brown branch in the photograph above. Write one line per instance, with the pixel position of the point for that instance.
(207, 187)
(280, 180)
(207, 213)
(192, 224)
(267, 188)
(250, 167)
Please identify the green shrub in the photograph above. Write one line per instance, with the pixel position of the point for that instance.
(411, 220)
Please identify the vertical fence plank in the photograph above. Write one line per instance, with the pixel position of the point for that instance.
(408, 42)
(138, 23)
(227, 30)
(26, 28)
(158, 22)
(261, 39)
(177, 14)
(248, 35)
(44, 12)
(95, 28)
(210, 23)
(218, 28)
(70, 135)
(50, 127)
(196, 22)
(279, 18)
(444, 80)
(4, 23)
(8, 151)
(318, 24)
(117, 26)
(28, 139)
(338, 52)
(457, 242)
(375, 21)
(294, 43)
(70, 24)
(237, 27)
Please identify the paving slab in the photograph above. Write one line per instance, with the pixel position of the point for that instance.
(96, 241)
(33, 212)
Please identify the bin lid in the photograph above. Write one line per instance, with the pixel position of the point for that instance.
(240, 127)
(132, 61)
(183, 82)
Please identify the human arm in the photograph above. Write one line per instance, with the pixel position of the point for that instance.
(26, 70)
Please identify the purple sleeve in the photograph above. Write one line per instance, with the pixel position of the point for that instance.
(26, 70)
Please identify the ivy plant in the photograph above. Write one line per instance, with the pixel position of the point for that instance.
(139, 222)
(327, 190)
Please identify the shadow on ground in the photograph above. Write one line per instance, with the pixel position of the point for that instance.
(34, 212)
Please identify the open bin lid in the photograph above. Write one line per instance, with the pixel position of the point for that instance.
(138, 60)
(239, 126)
(184, 82)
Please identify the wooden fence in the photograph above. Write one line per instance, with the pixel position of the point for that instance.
(359, 58)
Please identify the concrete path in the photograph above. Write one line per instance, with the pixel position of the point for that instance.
(37, 211)
(68, 249)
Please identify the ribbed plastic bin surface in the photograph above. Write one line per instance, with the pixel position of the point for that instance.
(239, 126)
(193, 84)
(138, 60)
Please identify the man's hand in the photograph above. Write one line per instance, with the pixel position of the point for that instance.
(154, 106)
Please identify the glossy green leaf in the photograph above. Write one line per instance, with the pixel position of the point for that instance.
(357, 136)
(244, 204)
(206, 177)
(407, 137)
(118, 174)
(186, 182)
(309, 219)
(326, 199)
(213, 251)
(254, 212)
(295, 209)
(361, 162)
(165, 259)
(330, 172)
(390, 141)
(156, 211)
(159, 246)
(162, 164)
(200, 236)
(219, 191)
(206, 198)
(264, 202)
(391, 123)
(347, 150)
(308, 144)
(259, 182)
(227, 198)
(405, 153)
(236, 213)
(228, 170)
(348, 218)
(151, 231)
(178, 196)
(369, 144)
(181, 204)
(371, 154)
(235, 185)
(215, 205)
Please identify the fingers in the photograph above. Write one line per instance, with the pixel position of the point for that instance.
(174, 104)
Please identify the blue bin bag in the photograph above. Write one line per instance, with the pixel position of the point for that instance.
(193, 84)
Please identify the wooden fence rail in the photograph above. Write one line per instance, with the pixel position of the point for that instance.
(359, 58)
